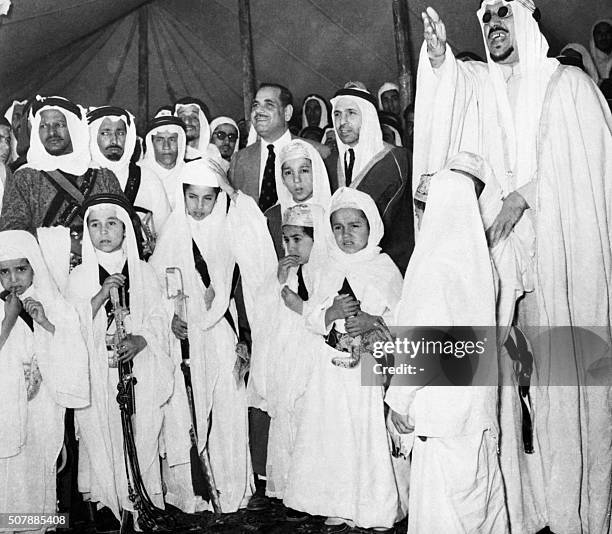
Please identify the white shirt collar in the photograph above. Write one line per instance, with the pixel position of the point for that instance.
(283, 140)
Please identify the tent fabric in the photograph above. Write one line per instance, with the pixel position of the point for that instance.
(87, 50)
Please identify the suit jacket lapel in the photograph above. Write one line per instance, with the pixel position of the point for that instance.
(253, 168)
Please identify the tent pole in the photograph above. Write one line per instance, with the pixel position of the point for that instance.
(143, 68)
(246, 46)
(401, 26)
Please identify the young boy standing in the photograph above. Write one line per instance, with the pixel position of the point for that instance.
(43, 371)
(111, 263)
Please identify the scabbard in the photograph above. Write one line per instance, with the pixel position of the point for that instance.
(202, 477)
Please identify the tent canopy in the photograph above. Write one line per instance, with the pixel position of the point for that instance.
(87, 50)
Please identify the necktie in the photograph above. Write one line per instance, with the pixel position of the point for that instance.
(348, 167)
(302, 291)
(267, 195)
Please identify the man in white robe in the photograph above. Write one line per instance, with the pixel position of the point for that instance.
(225, 135)
(43, 371)
(547, 132)
(194, 114)
(112, 133)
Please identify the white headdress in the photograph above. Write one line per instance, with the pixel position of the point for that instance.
(120, 168)
(387, 86)
(225, 120)
(324, 120)
(77, 162)
(521, 124)
(587, 60)
(370, 136)
(321, 193)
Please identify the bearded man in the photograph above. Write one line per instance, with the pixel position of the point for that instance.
(546, 131)
(112, 145)
(49, 190)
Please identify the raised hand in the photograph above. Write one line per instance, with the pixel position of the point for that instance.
(284, 264)
(226, 186)
(434, 33)
(12, 308)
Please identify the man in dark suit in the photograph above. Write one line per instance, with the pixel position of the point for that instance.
(252, 170)
(272, 109)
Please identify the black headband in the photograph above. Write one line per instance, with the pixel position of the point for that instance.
(58, 102)
(108, 198)
(167, 120)
(108, 111)
(368, 97)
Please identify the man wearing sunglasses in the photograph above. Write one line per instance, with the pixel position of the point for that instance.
(225, 136)
(546, 131)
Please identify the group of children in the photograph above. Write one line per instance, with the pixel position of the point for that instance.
(329, 446)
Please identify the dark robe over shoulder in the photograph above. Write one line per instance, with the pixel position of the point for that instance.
(389, 183)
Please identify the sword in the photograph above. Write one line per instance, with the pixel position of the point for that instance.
(522, 357)
(202, 476)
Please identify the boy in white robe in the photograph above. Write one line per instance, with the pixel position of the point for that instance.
(292, 348)
(301, 178)
(195, 240)
(455, 482)
(341, 464)
(110, 260)
(43, 371)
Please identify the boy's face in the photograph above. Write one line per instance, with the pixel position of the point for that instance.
(351, 229)
(106, 230)
(16, 275)
(200, 201)
(297, 242)
(297, 177)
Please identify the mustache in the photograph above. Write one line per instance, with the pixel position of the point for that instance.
(497, 29)
(110, 147)
(55, 138)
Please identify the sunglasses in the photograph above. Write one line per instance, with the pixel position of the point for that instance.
(222, 135)
(503, 12)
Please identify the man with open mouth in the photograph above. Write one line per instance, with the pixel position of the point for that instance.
(545, 130)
